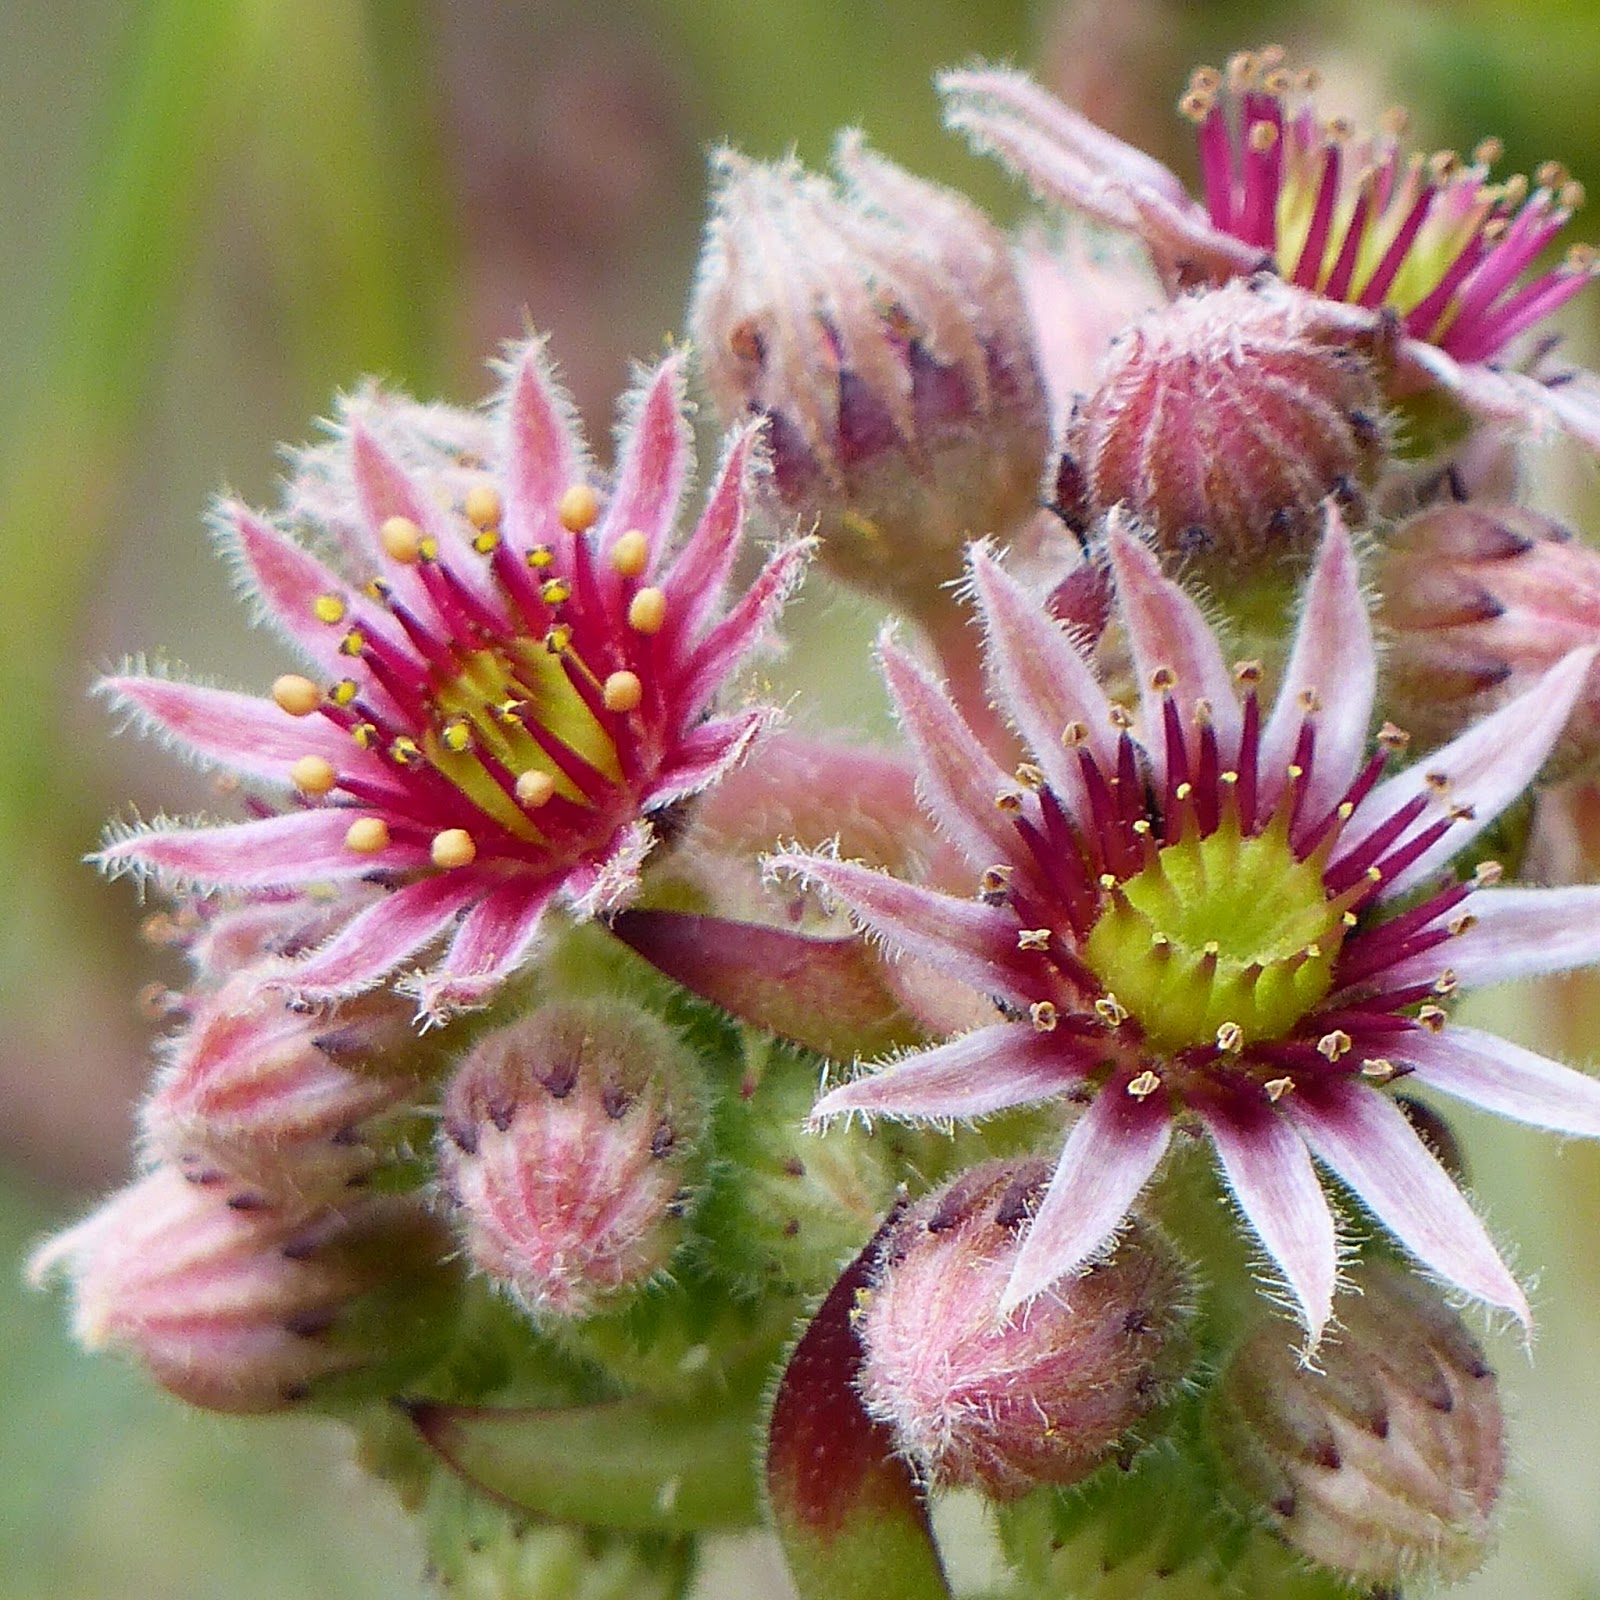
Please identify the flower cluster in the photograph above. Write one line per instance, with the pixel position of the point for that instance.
(488, 1114)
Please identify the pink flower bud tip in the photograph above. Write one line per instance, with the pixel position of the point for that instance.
(245, 1308)
(1041, 1396)
(565, 1152)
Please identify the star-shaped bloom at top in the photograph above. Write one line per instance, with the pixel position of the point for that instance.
(1348, 216)
(1195, 914)
(513, 671)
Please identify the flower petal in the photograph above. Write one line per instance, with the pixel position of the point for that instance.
(1166, 629)
(1516, 933)
(1484, 769)
(243, 732)
(704, 755)
(973, 943)
(727, 644)
(542, 454)
(286, 579)
(656, 452)
(1277, 1187)
(1042, 681)
(957, 779)
(1364, 1137)
(494, 939)
(987, 1070)
(1333, 660)
(1109, 1157)
(271, 853)
(378, 939)
(1504, 1078)
(695, 583)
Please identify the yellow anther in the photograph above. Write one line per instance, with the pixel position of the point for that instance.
(487, 542)
(1044, 1016)
(1262, 136)
(1433, 1018)
(1332, 1046)
(404, 752)
(1141, 825)
(453, 848)
(1184, 790)
(364, 735)
(344, 691)
(1464, 923)
(1487, 873)
(353, 643)
(1230, 1037)
(1111, 1010)
(401, 539)
(1310, 701)
(1446, 983)
(1144, 1085)
(457, 736)
(622, 691)
(1196, 105)
(647, 611)
(535, 788)
(630, 555)
(579, 508)
(1074, 734)
(482, 506)
(1202, 713)
(995, 881)
(1393, 738)
(1163, 680)
(1248, 673)
(508, 711)
(558, 638)
(1121, 717)
(1033, 938)
(1378, 1067)
(376, 589)
(296, 695)
(540, 557)
(313, 775)
(328, 608)
(1550, 174)
(1030, 776)
(1277, 1088)
(428, 550)
(1009, 801)
(1488, 151)
(367, 835)
(1108, 880)
(553, 591)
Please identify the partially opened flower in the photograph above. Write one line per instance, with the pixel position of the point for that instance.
(1196, 915)
(1348, 216)
(512, 673)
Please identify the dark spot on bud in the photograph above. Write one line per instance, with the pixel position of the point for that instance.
(794, 1167)
(1072, 502)
(679, 1203)
(662, 1140)
(293, 1393)
(616, 1100)
(560, 1080)
(1378, 1423)
(1365, 427)
(746, 342)
(309, 1324)
(791, 1229)
(248, 1202)
(1281, 523)
(301, 1249)
(501, 1113)
(1137, 1321)
(1284, 1505)
(1326, 1454)
(463, 1135)
(345, 1137)
(1021, 1196)
(1195, 540)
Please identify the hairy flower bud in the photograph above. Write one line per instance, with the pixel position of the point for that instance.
(1041, 1396)
(879, 328)
(565, 1150)
(1225, 420)
(1386, 1458)
(274, 1102)
(254, 1309)
(1482, 600)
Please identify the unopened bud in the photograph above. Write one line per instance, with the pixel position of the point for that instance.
(273, 1102)
(879, 328)
(566, 1148)
(1224, 421)
(1384, 1460)
(255, 1309)
(1481, 601)
(1043, 1396)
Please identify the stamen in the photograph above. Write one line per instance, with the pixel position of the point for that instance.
(1033, 938)
(296, 695)
(623, 692)
(535, 788)
(482, 506)
(647, 611)
(1044, 1016)
(1144, 1085)
(329, 608)
(452, 848)
(1277, 1088)
(366, 836)
(579, 508)
(313, 775)
(401, 539)
(1230, 1038)
(630, 555)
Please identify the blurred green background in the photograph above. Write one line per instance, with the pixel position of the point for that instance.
(214, 213)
